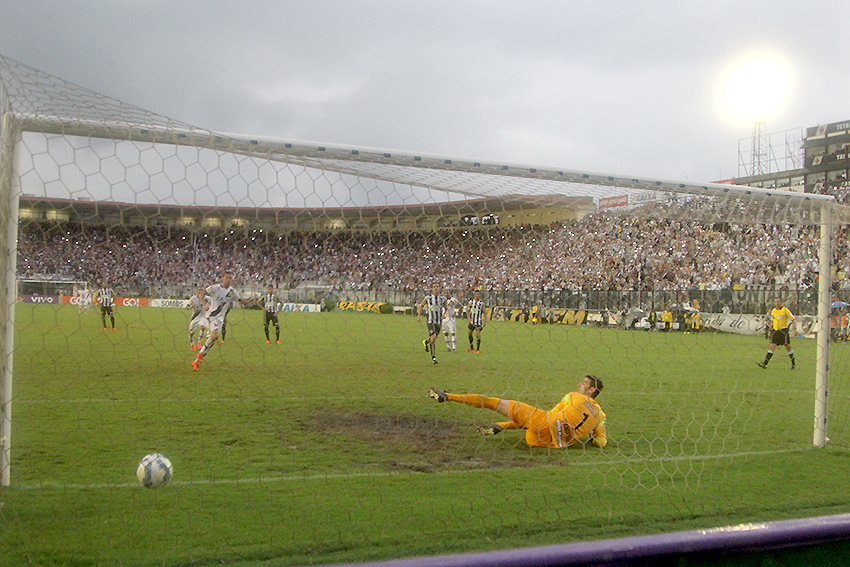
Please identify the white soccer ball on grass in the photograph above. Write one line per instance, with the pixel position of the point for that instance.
(154, 470)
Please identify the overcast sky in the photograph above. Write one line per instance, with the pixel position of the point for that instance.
(632, 88)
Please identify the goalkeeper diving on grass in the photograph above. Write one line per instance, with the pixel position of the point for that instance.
(576, 418)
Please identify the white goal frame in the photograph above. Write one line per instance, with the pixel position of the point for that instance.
(34, 102)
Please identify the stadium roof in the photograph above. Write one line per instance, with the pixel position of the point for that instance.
(402, 217)
(35, 102)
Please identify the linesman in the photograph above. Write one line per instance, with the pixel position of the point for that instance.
(782, 325)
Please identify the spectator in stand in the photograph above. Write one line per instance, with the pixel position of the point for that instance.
(602, 251)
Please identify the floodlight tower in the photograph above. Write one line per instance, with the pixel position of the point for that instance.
(759, 155)
(755, 88)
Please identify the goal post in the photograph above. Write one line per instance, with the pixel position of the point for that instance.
(823, 338)
(8, 243)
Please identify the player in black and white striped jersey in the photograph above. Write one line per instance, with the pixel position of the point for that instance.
(106, 299)
(271, 305)
(476, 311)
(435, 305)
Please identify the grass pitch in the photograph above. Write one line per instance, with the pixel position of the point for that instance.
(326, 448)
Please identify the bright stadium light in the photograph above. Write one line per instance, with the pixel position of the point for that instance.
(756, 87)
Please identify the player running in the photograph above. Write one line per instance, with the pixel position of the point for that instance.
(435, 304)
(781, 321)
(572, 419)
(221, 296)
(199, 306)
(450, 324)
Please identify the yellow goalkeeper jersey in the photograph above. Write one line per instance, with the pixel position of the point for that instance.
(584, 417)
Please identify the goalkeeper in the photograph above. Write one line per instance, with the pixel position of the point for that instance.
(575, 417)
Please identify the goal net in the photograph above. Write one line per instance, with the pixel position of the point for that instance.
(306, 430)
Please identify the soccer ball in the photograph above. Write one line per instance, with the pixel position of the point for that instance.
(154, 470)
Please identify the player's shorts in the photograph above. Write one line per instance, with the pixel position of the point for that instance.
(198, 321)
(472, 327)
(781, 337)
(215, 323)
(270, 318)
(434, 328)
(106, 310)
(541, 429)
(449, 327)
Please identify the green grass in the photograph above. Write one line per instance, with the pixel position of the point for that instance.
(326, 448)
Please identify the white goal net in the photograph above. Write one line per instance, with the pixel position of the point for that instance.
(659, 287)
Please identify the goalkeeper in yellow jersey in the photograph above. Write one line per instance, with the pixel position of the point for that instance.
(576, 417)
(781, 323)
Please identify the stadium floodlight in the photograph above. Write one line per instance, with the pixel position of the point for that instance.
(756, 87)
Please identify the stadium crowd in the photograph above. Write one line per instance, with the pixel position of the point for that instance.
(601, 251)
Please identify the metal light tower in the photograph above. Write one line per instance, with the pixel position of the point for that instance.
(760, 151)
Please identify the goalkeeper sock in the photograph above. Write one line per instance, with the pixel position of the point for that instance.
(767, 357)
(475, 400)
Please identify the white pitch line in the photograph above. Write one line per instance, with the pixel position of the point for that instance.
(272, 479)
(266, 398)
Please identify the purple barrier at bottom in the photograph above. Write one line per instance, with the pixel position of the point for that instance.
(743, 538)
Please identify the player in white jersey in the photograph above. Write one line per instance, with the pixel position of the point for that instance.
(199, 306)
(221, 296)
(86, 297)
(450, 325)
(80, 293)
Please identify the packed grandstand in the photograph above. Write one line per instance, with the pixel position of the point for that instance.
(603, 251)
